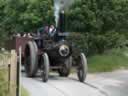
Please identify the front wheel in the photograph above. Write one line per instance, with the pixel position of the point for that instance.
(66, 67)
(82, 69)
(45, 67)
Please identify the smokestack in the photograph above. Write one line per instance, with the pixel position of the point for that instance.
(59, 7)
(61, 22)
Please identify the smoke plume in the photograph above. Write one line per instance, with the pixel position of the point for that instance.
(60, 5)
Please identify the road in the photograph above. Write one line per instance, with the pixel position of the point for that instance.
(112, 83)
(103, 84)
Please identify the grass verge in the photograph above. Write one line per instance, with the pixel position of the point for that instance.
(109, 61)
(3, 83)
(24, 92)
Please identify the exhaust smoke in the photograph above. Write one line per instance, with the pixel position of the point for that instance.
(60, 5)
(56, 10)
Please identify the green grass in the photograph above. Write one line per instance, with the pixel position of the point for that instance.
(111, 60)
(3, 75)
(24, 92)
(3, 83)
(4, 78)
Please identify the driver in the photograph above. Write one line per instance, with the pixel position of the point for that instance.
(52, 30)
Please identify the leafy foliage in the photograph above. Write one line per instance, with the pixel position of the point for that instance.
(102, 23)
(24, 15)
(98, 15)
(33, 14)
(97, 43)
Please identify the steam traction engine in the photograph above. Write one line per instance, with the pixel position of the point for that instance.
(56, 55)
(53, 53)
(47, 53)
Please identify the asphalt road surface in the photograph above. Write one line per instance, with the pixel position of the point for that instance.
(104, 84)
(112, 83)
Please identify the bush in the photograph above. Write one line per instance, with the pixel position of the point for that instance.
(96, 43)
(98, 15)
(79, 41)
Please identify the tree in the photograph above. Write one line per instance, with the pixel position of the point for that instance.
(98, 15)
(26, 15)
(103, 23)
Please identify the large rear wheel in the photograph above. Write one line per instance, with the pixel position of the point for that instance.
(82, 69)
(31, 59)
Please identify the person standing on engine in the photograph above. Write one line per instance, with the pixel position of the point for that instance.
(52, 30)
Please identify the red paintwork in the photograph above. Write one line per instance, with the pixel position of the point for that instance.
(16, 42)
